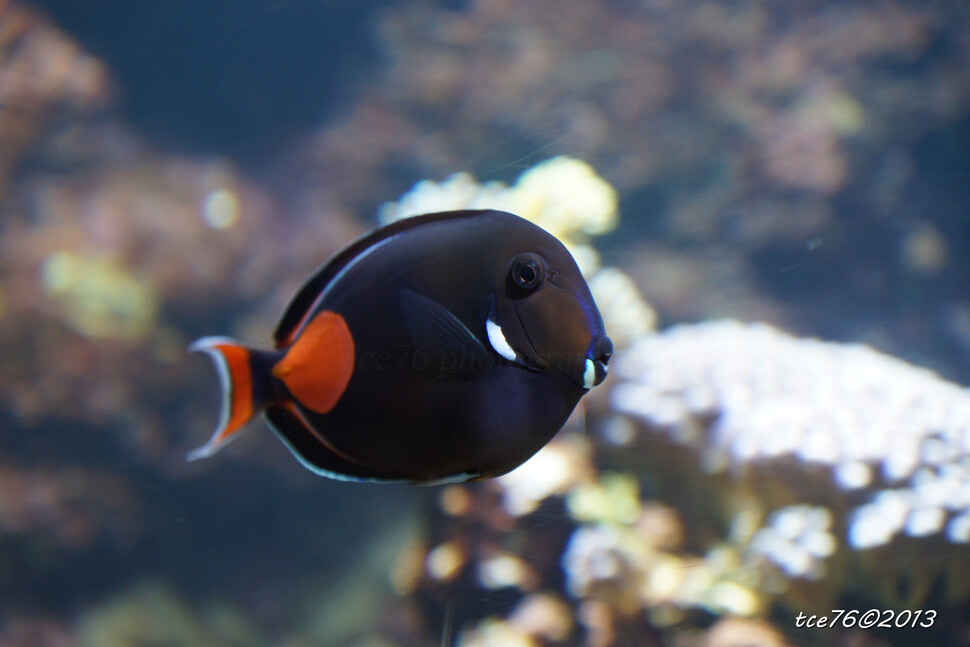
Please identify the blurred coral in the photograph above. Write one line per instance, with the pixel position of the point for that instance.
(151, 614)
(43, 76)
(35, 632)
(737, 632)
(68, 507)
(628, 571)
(731, 475)
(95, 271)
(749, 394)
(680, 96)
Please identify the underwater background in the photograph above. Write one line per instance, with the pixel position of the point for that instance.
(771, 202)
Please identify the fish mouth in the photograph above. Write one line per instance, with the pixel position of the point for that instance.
(597, 361)
(585, 371)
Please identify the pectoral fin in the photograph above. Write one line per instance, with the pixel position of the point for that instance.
(444, 345)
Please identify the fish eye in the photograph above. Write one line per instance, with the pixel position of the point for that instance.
(527, 271)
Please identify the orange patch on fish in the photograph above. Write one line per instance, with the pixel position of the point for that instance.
(317, 367)
(241, 378)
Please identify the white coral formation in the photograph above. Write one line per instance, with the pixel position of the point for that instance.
(874, 420)
(567, 198)
(459, 191)
(626, 561)
(798, 539)
(555, 470)
(563, 195)
(628, 317)
(99, 297)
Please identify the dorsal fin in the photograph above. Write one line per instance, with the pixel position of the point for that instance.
(295, 315)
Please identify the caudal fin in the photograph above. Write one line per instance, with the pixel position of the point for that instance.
(242, 393)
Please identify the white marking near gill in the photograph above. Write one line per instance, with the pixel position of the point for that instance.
(589, 375)
(497, 339)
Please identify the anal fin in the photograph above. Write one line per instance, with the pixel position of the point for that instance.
(316, 456)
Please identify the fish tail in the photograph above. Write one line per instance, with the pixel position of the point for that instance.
(246, 385)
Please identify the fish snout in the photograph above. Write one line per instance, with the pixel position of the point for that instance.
(597, 359)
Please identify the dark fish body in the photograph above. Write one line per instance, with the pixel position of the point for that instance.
(442, 347)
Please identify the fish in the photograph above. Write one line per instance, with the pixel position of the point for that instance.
(440, 348)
